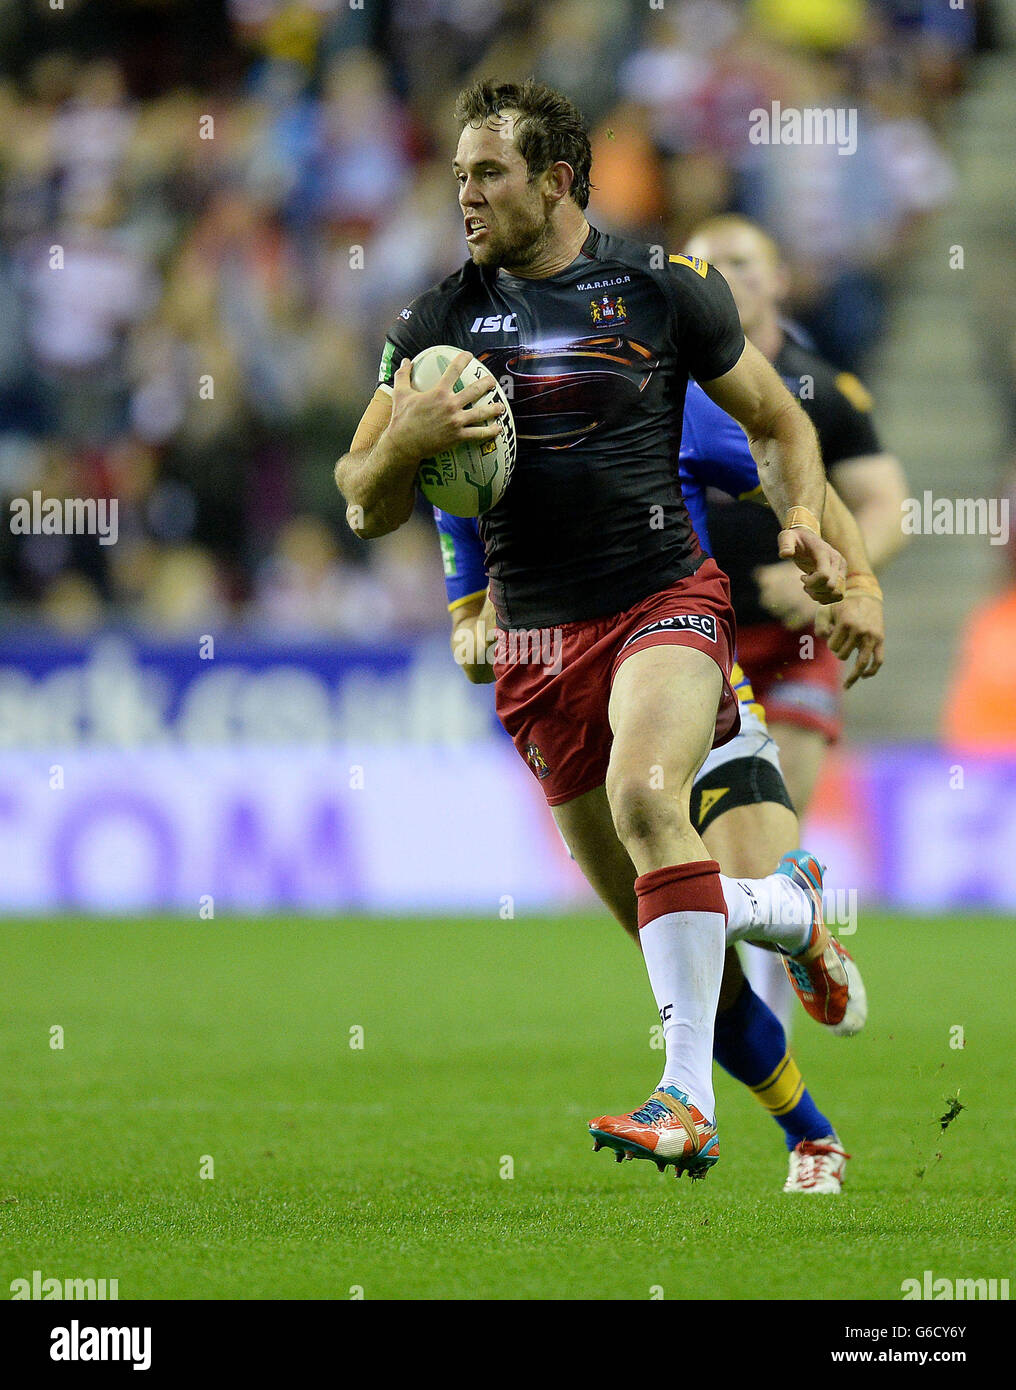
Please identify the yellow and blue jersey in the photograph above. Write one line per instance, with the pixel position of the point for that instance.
(746, 696)
(462, 556)
(714, 453)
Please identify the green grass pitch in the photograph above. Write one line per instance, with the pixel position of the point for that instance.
(447, 1157)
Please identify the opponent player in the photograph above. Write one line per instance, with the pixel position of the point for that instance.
(592, 538)
(742, 811)
(797, 682)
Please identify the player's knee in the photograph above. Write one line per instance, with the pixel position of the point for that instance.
(643, 814)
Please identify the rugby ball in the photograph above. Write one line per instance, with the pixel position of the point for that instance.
(470, 478)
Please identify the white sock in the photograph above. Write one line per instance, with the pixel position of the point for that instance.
(684, 956)
(767, 909)
(683, 951)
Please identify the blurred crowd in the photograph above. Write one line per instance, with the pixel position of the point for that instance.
(209, 214)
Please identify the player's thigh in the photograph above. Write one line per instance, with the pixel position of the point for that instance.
(662, 712)
(588, 830)
(802, 752)
(749, 841)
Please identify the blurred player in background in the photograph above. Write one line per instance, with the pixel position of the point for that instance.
(741, 809)
(978, 715)
(592, 540)
(798, 682)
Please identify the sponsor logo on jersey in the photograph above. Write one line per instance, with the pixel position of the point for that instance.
(495, 323)
(536, 761)
(561, 392)
(608, 310)
(406, 314)
(448, 556)
(702, 623)
(696, 263)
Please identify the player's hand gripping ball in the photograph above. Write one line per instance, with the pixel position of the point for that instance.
(468, 478)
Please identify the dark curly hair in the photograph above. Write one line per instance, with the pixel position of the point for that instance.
(550, 127)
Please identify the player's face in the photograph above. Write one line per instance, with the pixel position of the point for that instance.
(746, 261)
(506, 221)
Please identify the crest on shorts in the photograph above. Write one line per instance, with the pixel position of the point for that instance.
(536, 760)
(608, 309)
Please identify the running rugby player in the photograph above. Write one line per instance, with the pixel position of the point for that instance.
(740, 807)
(599, 336)
(802, 694)
(798, 682)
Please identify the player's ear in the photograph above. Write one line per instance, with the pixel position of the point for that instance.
(558, 180)
(781, 280)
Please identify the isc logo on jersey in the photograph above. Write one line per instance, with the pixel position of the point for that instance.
(495, 323)
(470, 478)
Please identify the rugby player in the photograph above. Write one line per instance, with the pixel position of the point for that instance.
(742, 811)
(599, 336)
(798, 682)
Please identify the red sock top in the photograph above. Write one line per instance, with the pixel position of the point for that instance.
(680, 888)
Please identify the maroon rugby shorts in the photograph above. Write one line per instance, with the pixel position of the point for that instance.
(553, 686)
(794, 687)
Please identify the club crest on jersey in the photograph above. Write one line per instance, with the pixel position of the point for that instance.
(536, 760)
(608, 309)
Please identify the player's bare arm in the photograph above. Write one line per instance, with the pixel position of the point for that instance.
(368, 460)
(474, 628)
(874, 488)
(856, 625)
(853, 627)
(377, 477)
(785, 447)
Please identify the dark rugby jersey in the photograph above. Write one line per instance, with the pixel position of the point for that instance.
(742, 534)
(595, 362)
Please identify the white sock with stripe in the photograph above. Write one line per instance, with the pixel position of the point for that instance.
(681, 920)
